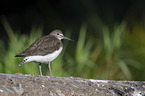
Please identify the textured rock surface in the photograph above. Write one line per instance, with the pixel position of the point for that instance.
(35, 85)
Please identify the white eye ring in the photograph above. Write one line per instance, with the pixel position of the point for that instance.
(57, 33)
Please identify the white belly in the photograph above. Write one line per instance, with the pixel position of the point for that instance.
(43, 59)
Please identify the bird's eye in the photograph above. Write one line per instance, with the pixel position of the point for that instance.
(57, 33)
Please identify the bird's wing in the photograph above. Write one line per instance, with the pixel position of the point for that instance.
(42, 46)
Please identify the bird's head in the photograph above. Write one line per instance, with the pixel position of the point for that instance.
(58, 33)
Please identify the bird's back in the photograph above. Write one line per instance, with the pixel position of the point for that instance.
(42, 46)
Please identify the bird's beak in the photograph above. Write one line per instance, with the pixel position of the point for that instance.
(67, 38)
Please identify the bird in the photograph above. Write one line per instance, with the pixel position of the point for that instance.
(44, 50)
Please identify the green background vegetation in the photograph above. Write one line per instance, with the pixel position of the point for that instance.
(103, 47)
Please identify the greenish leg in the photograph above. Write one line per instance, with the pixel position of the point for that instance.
(50, 69)
(40, 69)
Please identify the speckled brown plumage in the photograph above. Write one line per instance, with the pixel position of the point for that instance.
(42, 46)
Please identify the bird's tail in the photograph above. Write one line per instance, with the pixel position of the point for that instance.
(24, 61)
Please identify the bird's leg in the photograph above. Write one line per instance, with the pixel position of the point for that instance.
(40, 69)
(50, 69)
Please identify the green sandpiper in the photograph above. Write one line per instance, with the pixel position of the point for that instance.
(44, 49)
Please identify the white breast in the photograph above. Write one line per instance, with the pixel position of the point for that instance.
(43, 59)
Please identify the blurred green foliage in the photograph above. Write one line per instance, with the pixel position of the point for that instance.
(16, 44)
(116, 54)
